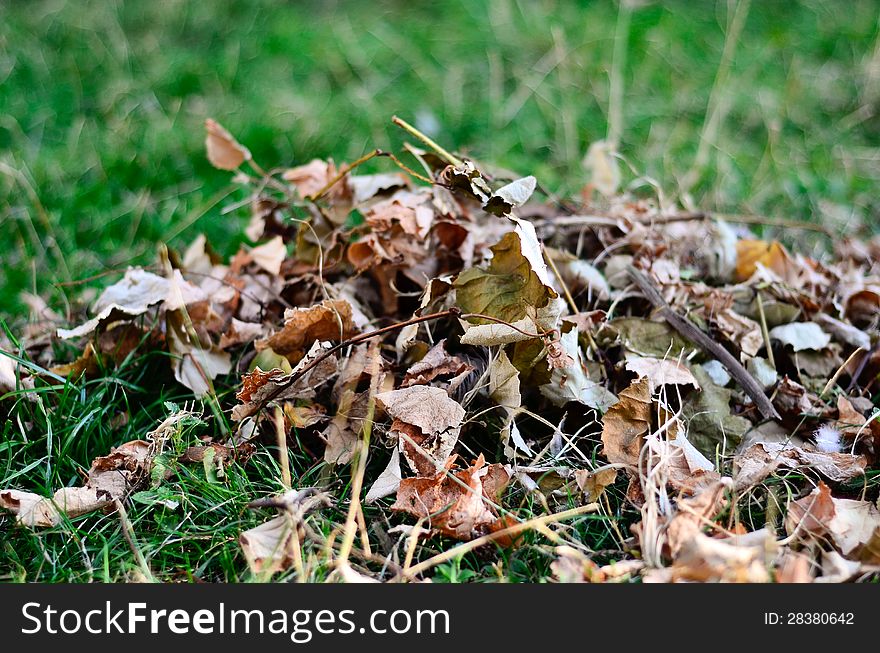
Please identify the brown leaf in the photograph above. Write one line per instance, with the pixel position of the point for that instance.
(436, 363)
(849, 523)
(751, 253)
(329, 320)
(703, 559)
(268, 547)
(262, 385)
(626, 423)
(693, 513)
(450, 508)
(593, 484)
(224, 152)
(760, 460)
(270, 255)
(427, 417)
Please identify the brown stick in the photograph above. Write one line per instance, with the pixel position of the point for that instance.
(693, 333)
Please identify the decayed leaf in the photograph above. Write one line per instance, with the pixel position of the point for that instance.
(693, 513)
(427, 421)
(684, 467)
(849, 523)
(329, 320)
(850, 422)
(344, 429)
(224, 151)
(195, 365)
(764, 373)
(268, 548)
(311, 177)
(258, 385)
(801, 335)
(626, 423)
(365, 187)
(647, 338)
(451, 509)
(409, 210)
(436, 363)
(742, 331)
(540, 321)
(704, 559)
(580, 276)
(843, 332)
(760, 460)
(660, 371)
(8, 373)
(709, 417)
(570, 382)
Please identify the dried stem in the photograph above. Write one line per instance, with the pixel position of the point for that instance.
(693, 333)
(450, 158)
(283, 457)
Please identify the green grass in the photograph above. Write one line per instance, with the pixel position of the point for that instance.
(101, 158)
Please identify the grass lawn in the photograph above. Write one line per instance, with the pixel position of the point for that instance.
(763, 109)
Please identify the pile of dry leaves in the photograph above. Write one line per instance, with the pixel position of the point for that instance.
(446, 317)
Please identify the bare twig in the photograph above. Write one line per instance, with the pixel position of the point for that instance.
(450, 158)
(690, 331)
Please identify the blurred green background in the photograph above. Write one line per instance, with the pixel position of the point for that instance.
(766, 108)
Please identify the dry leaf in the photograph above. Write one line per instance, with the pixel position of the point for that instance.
(705, 559)
(751, 253)
(760, 460)
(660, 371)
(593, 484)
(504, 389)
(801, 336)
(134, 295)
(850, 524)
(427, 421)
(456, 511)
(388, 481)
(601, 162)
(330, 320)
(270, 255)
(570, 381)
(224, 152)
(508, 197)
(626, 423)
(258, 386)
(110, 478)
(436, 363)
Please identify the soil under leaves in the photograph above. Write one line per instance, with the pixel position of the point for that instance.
(479, 364)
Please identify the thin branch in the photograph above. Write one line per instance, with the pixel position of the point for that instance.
(693, 333)
(450, 158)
